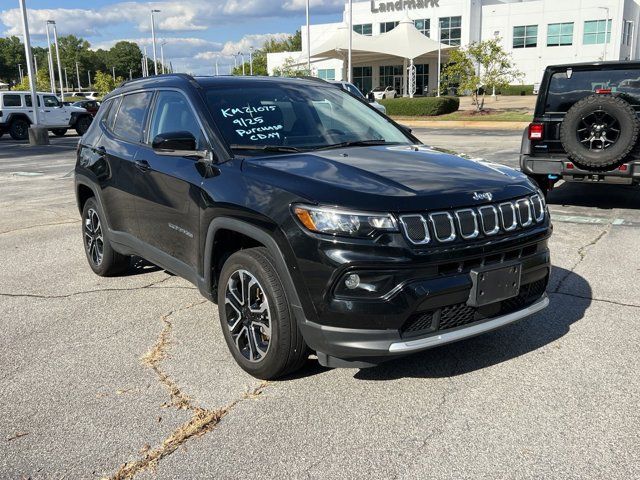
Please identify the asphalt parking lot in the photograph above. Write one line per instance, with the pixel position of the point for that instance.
(115, 377)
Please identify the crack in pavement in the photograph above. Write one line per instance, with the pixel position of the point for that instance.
(582, 254)
(150, 286)
(603, 300)
(38, 226)
(203, 420)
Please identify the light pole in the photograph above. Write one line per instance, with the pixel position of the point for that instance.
(162, 44)
(130, 74)
(145, 63)
(37, 136)
(113, 71)
(89, 77)
(78, 75)
(251, 61)
(35, 64)
(349, 62)
(66, 79)
(217, 71)
(439, 56)
(606, 33)
(242, 56)
(153, 37)
(55, 39)
(52, 75)
(20, 72)
(308, 38)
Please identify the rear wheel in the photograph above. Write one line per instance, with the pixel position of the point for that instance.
(83, 124)
(102, 258)
(256, 321)
(19, 129)
(59, 132)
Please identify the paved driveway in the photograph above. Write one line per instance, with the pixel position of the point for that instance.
(115, 377)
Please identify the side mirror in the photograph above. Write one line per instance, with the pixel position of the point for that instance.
(175, 143)
(371, 97)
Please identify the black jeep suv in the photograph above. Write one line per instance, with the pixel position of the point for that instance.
(585, 126)
(314, 222)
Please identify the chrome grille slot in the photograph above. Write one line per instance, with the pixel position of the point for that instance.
(467, 223)
(416, 229)
(525, 217)
(443, 228)
(508, 216)
(538, 208)
(489, 219)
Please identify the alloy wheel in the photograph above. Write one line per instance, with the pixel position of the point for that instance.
(598, 130)
(248, 315)
(93, 237)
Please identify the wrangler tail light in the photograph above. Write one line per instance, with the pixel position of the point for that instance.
(536, 130)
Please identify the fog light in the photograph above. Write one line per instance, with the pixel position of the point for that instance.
(352, 281)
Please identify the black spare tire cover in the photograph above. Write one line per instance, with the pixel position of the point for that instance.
(599, 132)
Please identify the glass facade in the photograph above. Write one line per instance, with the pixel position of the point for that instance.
(388, 26)
(422, 79)
(559, 34)
(363, 29)
(424, 26)
(451, 30)
(525, 36)
(362, 78)
(327, 73)
(390, 75)
(595, 31)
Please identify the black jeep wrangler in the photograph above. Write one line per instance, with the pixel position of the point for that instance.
(585, 126)
(315, 223)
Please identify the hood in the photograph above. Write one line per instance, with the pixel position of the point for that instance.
(393, 178)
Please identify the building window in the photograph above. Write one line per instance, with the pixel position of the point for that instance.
(362, 78)
(388, 26)
(559, 34)
(595, 31)
(424, 26)
(364, 29)
(451, 30)
(525, 36)
(627, 33)
(422, 79)
(391, 76)
(327, 73)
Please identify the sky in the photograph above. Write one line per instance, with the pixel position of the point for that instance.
(195, 31)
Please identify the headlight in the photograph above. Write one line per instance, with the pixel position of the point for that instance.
(334, 221)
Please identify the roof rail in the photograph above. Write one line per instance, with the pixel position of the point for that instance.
(184, 76)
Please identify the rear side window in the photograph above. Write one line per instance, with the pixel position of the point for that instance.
(11, 101)
(129, 123)
(27, 100)
(565, 89)
(110, 108)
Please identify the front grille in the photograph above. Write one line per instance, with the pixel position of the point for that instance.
(458, 315)
(471, 223)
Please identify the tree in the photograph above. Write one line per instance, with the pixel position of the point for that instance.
(11, 54)
(42, 82)
(290, 69)
(103, 83)
(479, 67)
(292, 43)
(125, 56)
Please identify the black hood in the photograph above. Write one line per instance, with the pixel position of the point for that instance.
(397, 178)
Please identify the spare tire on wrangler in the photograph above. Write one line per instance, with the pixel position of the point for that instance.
(599, 132)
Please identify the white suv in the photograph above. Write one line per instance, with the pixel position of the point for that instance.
(16, 114)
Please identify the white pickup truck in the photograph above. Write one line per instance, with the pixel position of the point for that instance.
(16, 115)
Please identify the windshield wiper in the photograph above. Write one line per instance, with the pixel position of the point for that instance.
(266, 148)
(356, 143)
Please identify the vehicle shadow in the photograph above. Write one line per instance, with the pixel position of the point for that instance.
(494, 347)
(601, 196)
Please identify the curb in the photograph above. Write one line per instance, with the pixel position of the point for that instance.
(480, 125)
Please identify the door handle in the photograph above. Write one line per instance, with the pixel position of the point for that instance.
(143, 165)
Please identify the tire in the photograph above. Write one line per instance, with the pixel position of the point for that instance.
(19, 129)
(82, 124)
(276, 347)
(599, 132)
(102, 258)
(59, 132)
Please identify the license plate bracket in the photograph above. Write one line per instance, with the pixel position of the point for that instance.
(494, 283)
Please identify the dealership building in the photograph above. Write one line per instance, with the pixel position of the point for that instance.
(536, 33)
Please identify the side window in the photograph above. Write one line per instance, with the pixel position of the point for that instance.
(129, 122)
(51, 101)
(111, 108)
(174, 114)
(12, 101)
(27, 101)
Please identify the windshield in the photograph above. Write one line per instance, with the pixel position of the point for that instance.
(290, 117)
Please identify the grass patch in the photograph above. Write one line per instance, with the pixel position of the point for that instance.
(472, 116)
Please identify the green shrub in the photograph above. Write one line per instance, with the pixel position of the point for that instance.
(515, 90)
(421, 106)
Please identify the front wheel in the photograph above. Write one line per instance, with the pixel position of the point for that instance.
(59, 132)
(19, 129)
(102, 258)
(256, 321)
(83, 124)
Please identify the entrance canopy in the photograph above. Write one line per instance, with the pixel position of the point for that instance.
(404, 41)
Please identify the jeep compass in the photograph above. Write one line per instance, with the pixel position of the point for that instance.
(315, 223)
